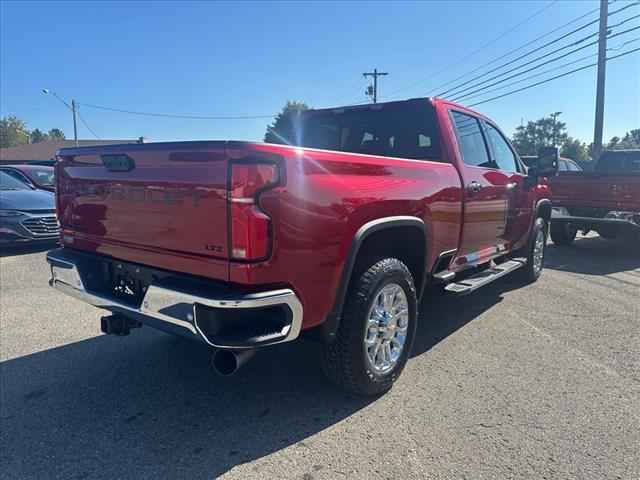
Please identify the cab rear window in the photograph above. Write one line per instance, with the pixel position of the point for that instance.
(404, 132)
(619, 161)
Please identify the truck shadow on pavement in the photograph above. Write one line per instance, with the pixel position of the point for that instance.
(15, 250)
(594, 255)
(149, 405)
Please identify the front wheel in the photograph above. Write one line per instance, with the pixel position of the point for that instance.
(534, 252)
(376, 330)
(563, 233)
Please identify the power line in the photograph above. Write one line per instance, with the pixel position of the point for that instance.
(87, 125)
(474, 52)
(552, 78)
(534, 67)
(166, 115)
(531, 42)
(359, 81)
(468, 96)
(536, 59)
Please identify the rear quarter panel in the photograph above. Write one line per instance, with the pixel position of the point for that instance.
(326, 197)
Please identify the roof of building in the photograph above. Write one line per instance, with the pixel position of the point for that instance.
(47, 150)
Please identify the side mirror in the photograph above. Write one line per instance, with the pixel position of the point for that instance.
(547, 164)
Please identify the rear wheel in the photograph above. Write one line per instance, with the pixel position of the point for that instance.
(534, 252)
(563, 233)
(376, 330)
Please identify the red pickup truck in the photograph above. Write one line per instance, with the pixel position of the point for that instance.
(606, 199)
(242, 245)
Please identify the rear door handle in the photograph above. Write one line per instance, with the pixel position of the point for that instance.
(474, 186)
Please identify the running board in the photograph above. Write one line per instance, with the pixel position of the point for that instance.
(480, 279)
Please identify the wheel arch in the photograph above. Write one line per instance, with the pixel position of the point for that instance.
(543, 210)
(379, 237)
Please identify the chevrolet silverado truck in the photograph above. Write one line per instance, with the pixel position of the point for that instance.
(605, 199)
(241, 245)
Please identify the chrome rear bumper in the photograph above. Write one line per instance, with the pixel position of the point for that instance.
(167, 305)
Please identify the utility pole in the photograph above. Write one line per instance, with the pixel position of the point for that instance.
(602, 61)
(73, 108)
(554, 115)
(375, 74)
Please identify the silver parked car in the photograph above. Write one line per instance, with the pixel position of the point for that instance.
(26, 214)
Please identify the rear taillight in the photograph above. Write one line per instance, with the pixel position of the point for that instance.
(250, 226)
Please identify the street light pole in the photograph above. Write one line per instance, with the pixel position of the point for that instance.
(72, 107)
(554, 115)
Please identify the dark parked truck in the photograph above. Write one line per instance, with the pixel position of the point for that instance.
(605, 199)
(241, 245)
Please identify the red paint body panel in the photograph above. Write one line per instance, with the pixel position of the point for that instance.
(321, 200)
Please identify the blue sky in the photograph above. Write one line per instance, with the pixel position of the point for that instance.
(225, 59)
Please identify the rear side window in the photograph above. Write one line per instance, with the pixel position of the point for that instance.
(470, 140)
(404, 132)
(562, 166)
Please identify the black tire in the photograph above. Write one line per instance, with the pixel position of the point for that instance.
(530, 272)
(563, 233)
(345, 360)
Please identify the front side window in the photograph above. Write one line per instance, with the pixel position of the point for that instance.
(504, 157)
(470, 141)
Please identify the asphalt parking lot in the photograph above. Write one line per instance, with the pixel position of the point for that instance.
(511, 381)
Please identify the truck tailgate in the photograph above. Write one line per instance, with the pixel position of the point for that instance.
(597, 188)
(167, 200)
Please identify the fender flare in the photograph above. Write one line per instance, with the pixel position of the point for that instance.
(540, 203)
(327, 330)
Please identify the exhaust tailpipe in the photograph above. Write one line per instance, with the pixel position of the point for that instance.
(227, 362)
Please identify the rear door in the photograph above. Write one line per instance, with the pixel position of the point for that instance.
(485, 190)
(520, 201)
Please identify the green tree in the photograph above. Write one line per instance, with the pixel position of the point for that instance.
(38, 136)
(281, 130)
(13, 131)
(56, 134)
(574, 149)
(528, 138)
(630, 140)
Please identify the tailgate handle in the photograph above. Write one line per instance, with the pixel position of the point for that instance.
(118, 163)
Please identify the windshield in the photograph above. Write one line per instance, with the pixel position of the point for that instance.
(7, 182)
(43, 177)
(620, 161)
(404, 132)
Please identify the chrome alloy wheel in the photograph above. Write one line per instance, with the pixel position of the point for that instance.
(386, 329)
(538, 251)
